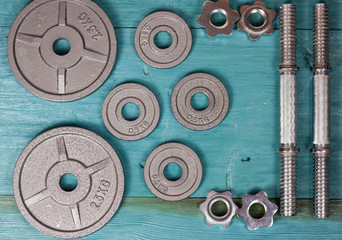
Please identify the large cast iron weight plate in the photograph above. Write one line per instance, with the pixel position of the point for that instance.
(68, 213)
(46, 71)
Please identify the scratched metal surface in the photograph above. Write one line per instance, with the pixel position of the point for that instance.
(240, 154)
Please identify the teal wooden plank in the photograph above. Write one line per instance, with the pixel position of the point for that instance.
(145, 218)
(128, 13)
(249, 71)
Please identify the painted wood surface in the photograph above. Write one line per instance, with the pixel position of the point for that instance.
(250, 131)
(128, 13)
(146, 218)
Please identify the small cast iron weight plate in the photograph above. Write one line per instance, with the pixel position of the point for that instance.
(158, 22)
(203, 119)
(68, 212)
(62, 50)
(164, 188)
(125, 129)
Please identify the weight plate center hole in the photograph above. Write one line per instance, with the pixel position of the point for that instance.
(68, 182)
(163, 40)
(130, 111)
(219, 208)
(199, 101)
(61, 46)
(257, 210)
(173, 171)
(257, 18)
(218, 18)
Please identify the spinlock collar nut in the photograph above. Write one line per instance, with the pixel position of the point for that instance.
(261, 198)
(211, 218)
(221, 6)
(254, 32)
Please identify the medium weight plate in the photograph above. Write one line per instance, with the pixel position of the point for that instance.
(64, 76)
(163, 22)
(204, 119)
(164, 188)
(41, 199)
(138, 128)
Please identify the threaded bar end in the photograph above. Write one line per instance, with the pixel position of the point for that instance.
(288, 36)
(288, 156)
(321, 36)
(321, 181)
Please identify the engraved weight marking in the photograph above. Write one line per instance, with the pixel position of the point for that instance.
(158, 184)
(100, 195)
(200, 120)
(91, 29)
(139, 129)
(144, 35)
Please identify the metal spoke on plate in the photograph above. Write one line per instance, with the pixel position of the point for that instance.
(63, 156)
(29, 39)
(75, 211)
(98, 166)
(37, 198)
(94, 56)
(62, 14)
(61, 80)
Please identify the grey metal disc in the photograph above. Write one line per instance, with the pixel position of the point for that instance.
(203, 119)
(157, 22)
(164, 188)
(138, 128)
(67, 77)
(41, 199)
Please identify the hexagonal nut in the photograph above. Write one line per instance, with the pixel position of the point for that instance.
(221, 6)
(211, 218)
(254, 32)
(270, 209)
